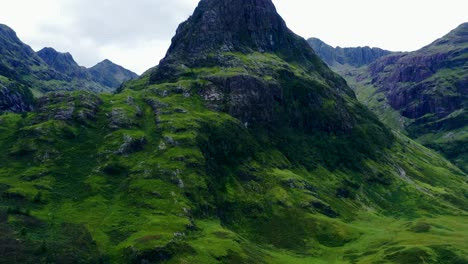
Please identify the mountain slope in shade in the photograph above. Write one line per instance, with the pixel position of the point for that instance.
(19, 61)
(49, 70)
(242, 146)
(355, 57)
(111, 74)
(63, 63)
(106, 73)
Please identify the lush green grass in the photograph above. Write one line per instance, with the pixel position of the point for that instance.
(152, 173)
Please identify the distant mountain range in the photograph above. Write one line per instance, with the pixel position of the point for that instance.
(423, 93)
(355, 57)
(49, 70)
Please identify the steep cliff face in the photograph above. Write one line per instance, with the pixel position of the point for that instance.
(14, 98)
(432, 80)
(430, 88)
(355, 57)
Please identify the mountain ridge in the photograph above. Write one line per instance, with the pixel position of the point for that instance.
(356, 57)
(49, 70)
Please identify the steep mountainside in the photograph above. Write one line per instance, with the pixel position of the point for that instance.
(338, 56)
(423, 93)
(49, 70)
(63, 63)
(242, 146)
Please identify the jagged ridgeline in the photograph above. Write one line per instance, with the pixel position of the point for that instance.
(49, 70)
(240, 147)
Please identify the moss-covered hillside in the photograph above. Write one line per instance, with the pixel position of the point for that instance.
(250, 154)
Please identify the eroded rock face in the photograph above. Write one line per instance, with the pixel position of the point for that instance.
(245, 97)
(14, 101)
(433, 80)
(66, 106)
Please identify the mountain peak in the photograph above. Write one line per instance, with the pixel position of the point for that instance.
(111, 74)
(233, 25)
(107, 61)
(57, 60)
(243, 26)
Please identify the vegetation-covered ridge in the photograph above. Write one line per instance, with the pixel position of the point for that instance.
(255, 153)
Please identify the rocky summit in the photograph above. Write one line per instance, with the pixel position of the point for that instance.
(110, 74)
(241, 146)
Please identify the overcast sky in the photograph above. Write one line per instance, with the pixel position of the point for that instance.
(137, 33)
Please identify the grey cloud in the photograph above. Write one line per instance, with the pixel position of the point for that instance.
(94, 30)
(126, 22)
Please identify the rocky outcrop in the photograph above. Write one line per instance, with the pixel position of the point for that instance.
(355, 57)
(65, 106)
(17, 100)
(430, 81)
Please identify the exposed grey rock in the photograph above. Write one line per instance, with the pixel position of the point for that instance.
(156, 105)
(16, 101)
(118, 118)
(131, 145)
(65, 106)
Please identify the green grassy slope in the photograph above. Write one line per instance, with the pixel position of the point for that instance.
(154, 173)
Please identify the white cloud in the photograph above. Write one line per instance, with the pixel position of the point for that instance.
(400, 25)
(137, 33)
